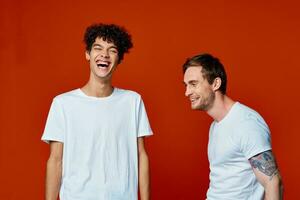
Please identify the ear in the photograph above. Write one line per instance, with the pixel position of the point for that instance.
(87, 55)
(216, 84)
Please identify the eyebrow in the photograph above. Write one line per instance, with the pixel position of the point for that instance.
(193, 81)
(190, 82)
(111, 47)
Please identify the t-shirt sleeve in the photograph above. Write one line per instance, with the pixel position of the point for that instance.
(255, 137)
(55, 124)
(143, 126)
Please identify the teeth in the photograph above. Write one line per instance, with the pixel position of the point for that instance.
(102, 65)
(193, 100)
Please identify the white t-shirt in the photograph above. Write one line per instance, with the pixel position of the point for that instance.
(241, 135)
(100, 155)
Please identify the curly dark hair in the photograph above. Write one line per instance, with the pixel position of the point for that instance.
(211, 68)
(110, 33)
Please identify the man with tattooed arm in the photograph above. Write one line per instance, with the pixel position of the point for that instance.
(242, 165)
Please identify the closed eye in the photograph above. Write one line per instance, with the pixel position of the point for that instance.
(193, 83)
(97, 48)
(113, 50)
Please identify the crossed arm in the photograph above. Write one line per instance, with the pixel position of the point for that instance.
(266, 172)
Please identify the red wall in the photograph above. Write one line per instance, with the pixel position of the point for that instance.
(42, 55)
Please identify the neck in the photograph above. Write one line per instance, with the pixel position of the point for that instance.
(221, 107)
(98, 87)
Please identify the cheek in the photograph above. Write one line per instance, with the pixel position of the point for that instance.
(199, 90)
(116, 57)
(92, 56)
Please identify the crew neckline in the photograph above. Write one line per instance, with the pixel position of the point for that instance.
(81, 93)
(227, 116)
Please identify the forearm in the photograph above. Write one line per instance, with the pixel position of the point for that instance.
(144, 177)
(53, 179)
(267, 173)
(274, 189)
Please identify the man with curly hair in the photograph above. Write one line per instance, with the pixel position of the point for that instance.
(242, 165)
(96, 132)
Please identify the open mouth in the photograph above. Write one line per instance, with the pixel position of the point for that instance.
(193, 100)
(102, 65)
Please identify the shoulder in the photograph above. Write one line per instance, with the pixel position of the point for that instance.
(251, 123)
(66, 96)
(127, 93)
(248, 115)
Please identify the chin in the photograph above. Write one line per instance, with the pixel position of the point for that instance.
(199, 107)
(103, 75)
(195, 107)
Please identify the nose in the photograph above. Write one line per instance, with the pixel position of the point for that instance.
(187, 91)
(104, 53)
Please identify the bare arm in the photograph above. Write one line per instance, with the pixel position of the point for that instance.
(144, 177)
(54, 171)
(266, 172)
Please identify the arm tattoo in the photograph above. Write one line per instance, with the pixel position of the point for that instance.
(265, 162)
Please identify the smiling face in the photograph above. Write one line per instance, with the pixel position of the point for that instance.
(103, 59)
(198, 90)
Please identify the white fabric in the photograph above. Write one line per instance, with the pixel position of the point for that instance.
(241, 135)
(100, 143)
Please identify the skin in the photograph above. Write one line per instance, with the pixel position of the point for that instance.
(98, 85)
(198, 90)
(266, 171)
(54, 171)
(207, 97)
(144, 175)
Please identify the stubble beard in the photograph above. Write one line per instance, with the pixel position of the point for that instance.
(207, 103)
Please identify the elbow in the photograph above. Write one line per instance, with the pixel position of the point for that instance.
(275, 181)
(280, 186)
(142, 153)
(54, 160)
(274, 187)
(143, 156)
(278, 181)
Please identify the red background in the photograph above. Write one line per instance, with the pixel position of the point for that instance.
(42, 55)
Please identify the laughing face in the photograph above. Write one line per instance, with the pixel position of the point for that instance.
(103, 59)
(198, 90)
